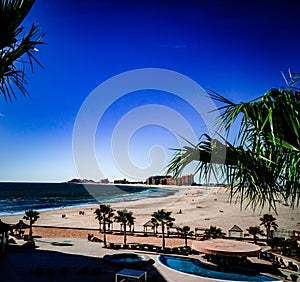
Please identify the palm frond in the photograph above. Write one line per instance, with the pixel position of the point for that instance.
(15, 43)
(262, 167)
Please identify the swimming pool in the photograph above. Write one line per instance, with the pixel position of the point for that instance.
(127, 259)
(196, 267)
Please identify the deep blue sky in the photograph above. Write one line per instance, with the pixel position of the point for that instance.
(236, 48)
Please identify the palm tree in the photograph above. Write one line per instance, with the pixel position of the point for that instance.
(32, 216)
(268, 141)
(104, 214)
(131, 224)
(164, 219)
(125, 218)
(213, 232)
(15, 44)
(268, 221)
(185, 232)
(255, 231)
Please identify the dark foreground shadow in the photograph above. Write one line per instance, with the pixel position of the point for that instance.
(32, 265)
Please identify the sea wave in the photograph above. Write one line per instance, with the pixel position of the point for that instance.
(15, 198)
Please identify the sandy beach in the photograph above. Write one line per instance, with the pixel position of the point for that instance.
(62, 242)
(201, 207)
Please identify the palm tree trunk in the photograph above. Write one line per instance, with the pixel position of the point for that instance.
(30, 230)
(268, 233)
(185, 237)
(104, 233)
(30, 227)
(163, 236)
(255, 239)
(125, 235)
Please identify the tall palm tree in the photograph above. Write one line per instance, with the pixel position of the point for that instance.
(131, 224)
(163, 218)
(32, 216)
(104, 214)
(125, 218)
(255, 231)
(213, 232)
(15, 45)
(268, 221)
(185, 231)
(268, 141)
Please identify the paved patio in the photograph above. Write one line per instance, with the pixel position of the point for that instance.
(74, 260)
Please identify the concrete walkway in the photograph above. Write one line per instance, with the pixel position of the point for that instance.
(74, 260)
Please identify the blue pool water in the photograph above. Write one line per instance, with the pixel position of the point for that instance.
(196, 267)
(126, 258)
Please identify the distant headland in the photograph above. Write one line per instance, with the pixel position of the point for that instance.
(87, 181)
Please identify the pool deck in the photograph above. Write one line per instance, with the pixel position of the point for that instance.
(75, 260)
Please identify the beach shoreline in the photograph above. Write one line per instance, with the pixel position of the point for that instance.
(18, 197)
(200, 207)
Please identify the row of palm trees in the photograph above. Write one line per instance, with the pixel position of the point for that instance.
(106, 216)
(268, 221)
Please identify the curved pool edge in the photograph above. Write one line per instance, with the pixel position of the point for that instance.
(267, 275)
(185, 273)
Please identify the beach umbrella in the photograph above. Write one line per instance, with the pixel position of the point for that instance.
(149, 224)
(21, 225)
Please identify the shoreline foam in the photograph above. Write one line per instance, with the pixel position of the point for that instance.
(198, 210)
(52, 196)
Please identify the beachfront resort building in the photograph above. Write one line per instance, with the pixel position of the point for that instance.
(185, 180)
(160, 180)
(104, 181)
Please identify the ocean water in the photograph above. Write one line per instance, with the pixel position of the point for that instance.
(15, 198)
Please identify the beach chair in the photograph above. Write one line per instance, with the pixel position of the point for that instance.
(133, 246)
(117, 246)
(150, 248)
(110, 245)
(175, 251)
(166, 250)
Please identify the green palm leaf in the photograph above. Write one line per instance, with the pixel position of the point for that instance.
(15, 46)
(262, 165)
